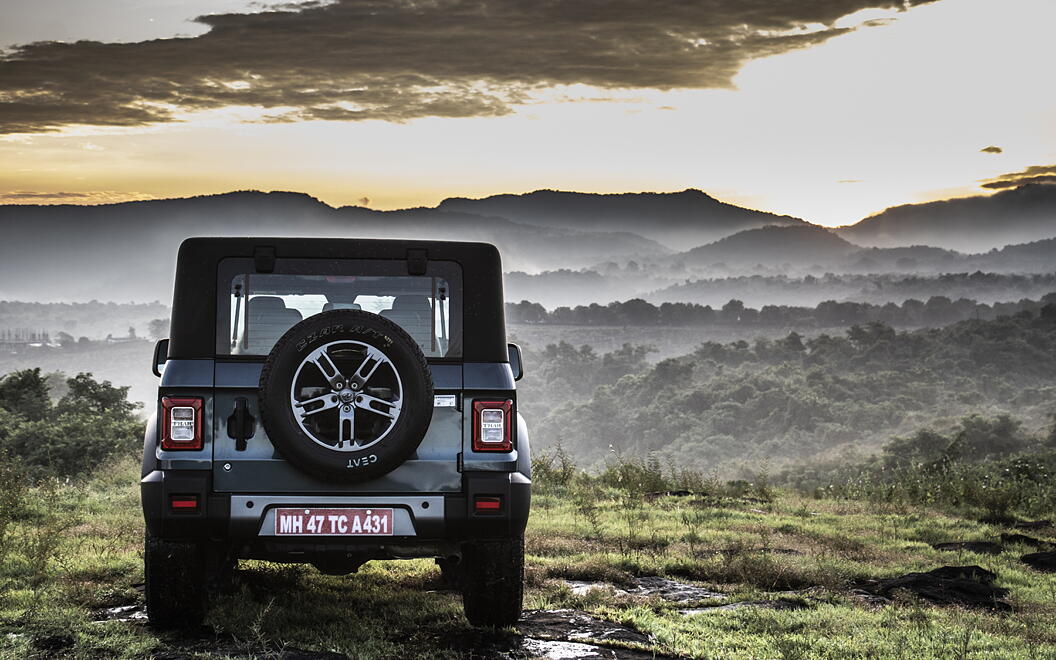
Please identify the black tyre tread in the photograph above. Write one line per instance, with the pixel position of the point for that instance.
(176, 587)
(265, 377)
(492, 581)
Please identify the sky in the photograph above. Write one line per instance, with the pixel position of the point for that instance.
(829, 110)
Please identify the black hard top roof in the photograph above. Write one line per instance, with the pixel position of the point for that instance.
(193, 329)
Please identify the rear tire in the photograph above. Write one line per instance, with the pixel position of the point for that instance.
(176, 587)
(492, 581)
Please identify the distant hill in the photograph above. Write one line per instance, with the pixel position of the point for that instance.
(795, 245)
(673, 219)
(970, 224)
(1035, 257)
(127, 251)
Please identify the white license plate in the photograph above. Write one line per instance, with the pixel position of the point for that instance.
(333, 522)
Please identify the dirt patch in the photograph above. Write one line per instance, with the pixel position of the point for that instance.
(1041, 561)
(1033, 524)
(968, 586)
(1023, 539)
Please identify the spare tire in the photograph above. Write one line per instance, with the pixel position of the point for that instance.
(346, 395)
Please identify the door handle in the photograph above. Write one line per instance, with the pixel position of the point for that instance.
(241, 425)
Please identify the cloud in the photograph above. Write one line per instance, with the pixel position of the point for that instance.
(991, 150)
(64, 197)
(397, 60)
(1033, 174)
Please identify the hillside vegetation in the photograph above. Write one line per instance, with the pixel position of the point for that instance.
(936, 311)
(730, 407)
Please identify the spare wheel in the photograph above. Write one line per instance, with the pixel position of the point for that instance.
(346, 395)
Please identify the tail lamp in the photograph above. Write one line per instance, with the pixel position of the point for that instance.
(181, 426)
(487, 504)
(184, 503)
(491, 425)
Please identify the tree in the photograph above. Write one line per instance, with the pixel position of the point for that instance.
(158, 328)
(25, 393)
(731, 311)
(92, 422)
(86, 395)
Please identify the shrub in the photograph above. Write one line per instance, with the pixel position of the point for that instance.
(92, 422)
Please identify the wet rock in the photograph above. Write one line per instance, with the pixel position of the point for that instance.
(778, 604)
(582, 588)
(576, 626)
(970, 586)
(981, 547)
(122, 613)
(672, 590)
(561, 650)
(1041, 561)
(653, 585)
(1023, 539)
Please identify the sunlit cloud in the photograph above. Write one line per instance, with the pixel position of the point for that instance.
(384, 59)
(70, 197)
(1033, 174)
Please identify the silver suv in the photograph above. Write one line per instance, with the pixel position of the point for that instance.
(331, 402)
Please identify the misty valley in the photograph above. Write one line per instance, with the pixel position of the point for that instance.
(779, 423)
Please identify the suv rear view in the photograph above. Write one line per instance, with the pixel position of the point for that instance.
(331, 402)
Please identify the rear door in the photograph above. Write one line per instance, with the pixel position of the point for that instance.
(258, 308)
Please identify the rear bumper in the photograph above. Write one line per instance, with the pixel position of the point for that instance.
(422, 520)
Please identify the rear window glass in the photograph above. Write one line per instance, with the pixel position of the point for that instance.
(259, 308)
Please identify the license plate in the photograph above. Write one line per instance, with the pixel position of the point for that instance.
(333, 522)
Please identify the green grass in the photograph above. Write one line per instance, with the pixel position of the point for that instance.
(72, 550)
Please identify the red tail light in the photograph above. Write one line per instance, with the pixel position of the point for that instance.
(181, 424)
(491, 425)
(184, 503)
(487, 504)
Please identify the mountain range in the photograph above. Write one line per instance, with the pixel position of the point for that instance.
(969, 224)
(126, 251)
(690, 217)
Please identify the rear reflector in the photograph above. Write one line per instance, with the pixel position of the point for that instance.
(181, 424)
(487, 504)
(184, 503)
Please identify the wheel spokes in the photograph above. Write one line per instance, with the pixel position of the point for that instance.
(317, 404)
(389, 409)
(344, 396)
(321, 359)
(346, 426)
(370, 364)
